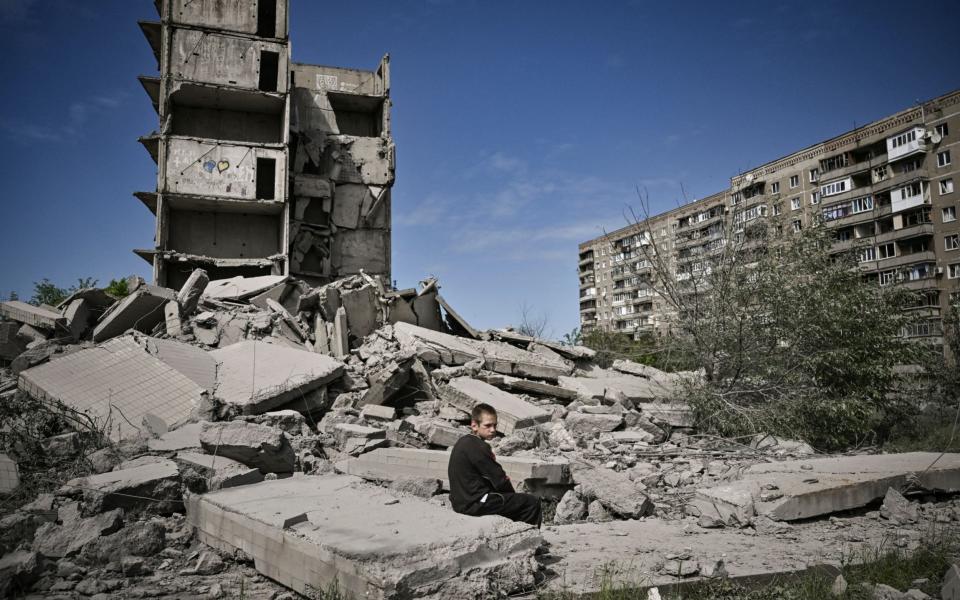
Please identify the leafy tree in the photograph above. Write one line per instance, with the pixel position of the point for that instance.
(46, 292)
(791, 338)
(118, 288)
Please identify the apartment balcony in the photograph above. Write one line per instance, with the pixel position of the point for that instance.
(899, 204)
(587, 284)
(585, 261)
(588, 310)
(898, 261)
(203, 167)
(915, 146)
(855, 168)
(913, 231)
(923, 311)
(586, 269)
(265, 19)
(859, 218)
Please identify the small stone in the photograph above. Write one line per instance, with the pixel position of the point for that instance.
(897, 509)
(424, 487)
(209, 563)
(883, 591)
(570, 508)
(133, 566)
(680, 568)
(915, 594)
(839, 586)
(597, 513)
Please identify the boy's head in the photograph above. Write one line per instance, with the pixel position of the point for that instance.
(483, 421)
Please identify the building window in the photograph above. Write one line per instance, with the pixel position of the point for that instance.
(943, 158)
(834, 188)
(946, 186)
(952, 242)
(814, 197)
(953, 271)
(942, 130)
(867, 254)
(795, 203)
(775, 187)
(949, 214)
(903, 138)
(735, 198)
(777, 209)
(887, 277)
(888, 250)
(880, 173)
(859, 205)
(910, 165)
(814, 174)
(794, 181)
(797, 225)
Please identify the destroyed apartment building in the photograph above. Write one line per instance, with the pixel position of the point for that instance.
(270, 417)
(264, 166)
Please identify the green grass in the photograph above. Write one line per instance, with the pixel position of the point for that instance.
(891, 566)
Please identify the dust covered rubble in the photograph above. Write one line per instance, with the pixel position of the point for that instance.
(227, 384)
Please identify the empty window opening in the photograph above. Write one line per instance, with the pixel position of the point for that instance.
(267, 18)
(269, 71)
(357, 115)
(266, 178)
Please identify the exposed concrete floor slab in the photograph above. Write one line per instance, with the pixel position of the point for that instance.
(801, 489)
(116, 383)
(239, 288)
(631, 552)
(513, 412)
(141, 310)
(258, 377)
(306, 532)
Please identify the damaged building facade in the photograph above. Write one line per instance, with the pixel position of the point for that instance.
(887, 188)
(264, 166)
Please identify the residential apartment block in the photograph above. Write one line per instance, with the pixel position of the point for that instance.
(887, 188)
(264, 166)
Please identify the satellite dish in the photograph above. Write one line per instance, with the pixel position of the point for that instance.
(935, 137)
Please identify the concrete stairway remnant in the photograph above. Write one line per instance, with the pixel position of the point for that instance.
(258, 377)
(373, 543)
(115, 384)
(513, 412)
(800, 489)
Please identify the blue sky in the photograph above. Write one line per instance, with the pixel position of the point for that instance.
(522, 128)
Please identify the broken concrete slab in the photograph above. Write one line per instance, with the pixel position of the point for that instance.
(171, 317)
(440, 433)
(197, 364)
(636, 389)
(668, 414)
(266, 448)
(141, 310)
(36, 316)
(154, 486)
(615, 491)
(362, 310)
(115, 384)
(220, 471)
(528, 386)
(9, 474)
(388, 464)
(257, 377)
(37, 354)
(513, 412)
(809, 488)
(69, 538)
(372, 543)
(378, 412)
(356, 439)
(455, 322)
(190, 292)
(589, 425)
(386, 382)
(497, 356)
(18, 571)
(11, 346)
(339, 340)
(897, 509)
(241, 288)
(183, 438)
(78, 315)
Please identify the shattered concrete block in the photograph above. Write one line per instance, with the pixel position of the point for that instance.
(526, 386)
(424, 487)
(950, 587)
(372, 543)
(68, 539)
(9, 475)
(356, 439)
(386, 382)
(18, 571)
(198, 365)
(30, 335)
(36, 316)
(183, 438)
(260, 446)
(340, 343)
(241, 288)
(141, 310)
(636, 389)
(427, 309)
(115, 384)
(154, 486)
(37, 354)
(497, 356)
(400, 311)
(190, 292)
(809, 488)
(362, 310)
(321, 339)
(77, 315)
(10, 344)
(378, 412)
(171, 317)
(388, 464)
(220, 471)
(669, 414)
(591, 425)
(613, 490)
(455, 319)
(570, 508)
(897, 509)
(513, 412)
(440, 433)
(257, 377)
(353, 250)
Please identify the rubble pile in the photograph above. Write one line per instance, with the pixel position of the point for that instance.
(304, 430)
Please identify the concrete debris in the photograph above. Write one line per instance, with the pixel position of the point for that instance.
(231, 391)
(374, 544)
(141, 311)
(9, 475)
(256, 377)
(36, 316)
(260, 446)
(950, 588)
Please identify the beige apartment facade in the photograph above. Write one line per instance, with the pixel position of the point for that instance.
(887, 188)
